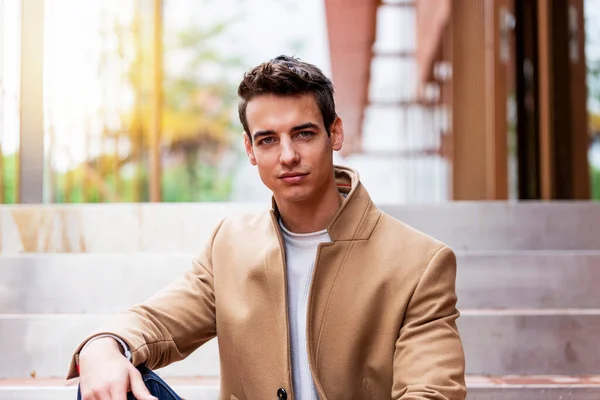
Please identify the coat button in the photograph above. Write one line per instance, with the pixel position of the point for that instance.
(282, 394)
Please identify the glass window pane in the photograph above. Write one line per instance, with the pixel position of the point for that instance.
(10, 54)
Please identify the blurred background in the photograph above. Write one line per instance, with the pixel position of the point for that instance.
(135, 100)
(474, 121)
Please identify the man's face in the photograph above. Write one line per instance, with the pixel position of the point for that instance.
(290, 145)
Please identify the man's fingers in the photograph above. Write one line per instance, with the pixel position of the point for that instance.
(95, 394)
(118, 393)
(138, 387)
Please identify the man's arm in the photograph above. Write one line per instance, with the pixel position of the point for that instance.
(429, 360)
(171, 324)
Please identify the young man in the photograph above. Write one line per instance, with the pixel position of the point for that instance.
(322, 297)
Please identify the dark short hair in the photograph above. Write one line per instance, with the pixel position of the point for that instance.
(287, 76)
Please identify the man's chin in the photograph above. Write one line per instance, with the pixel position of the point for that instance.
(293, 195)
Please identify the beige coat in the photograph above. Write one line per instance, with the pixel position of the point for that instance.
(381, 316)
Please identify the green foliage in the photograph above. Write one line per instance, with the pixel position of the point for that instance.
(198, 123)
(9, 178)
(197, 120)
(208, 186)
(595, 182)
(198, 108)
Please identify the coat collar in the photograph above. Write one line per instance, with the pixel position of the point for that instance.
(357, 216)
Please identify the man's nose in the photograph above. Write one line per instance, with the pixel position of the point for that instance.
(289, 155)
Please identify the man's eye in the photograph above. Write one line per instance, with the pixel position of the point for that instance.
(268, 140)
(305, 134)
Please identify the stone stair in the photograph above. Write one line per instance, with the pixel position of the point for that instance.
(527, 286)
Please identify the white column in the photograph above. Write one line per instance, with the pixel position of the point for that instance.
(31, 147)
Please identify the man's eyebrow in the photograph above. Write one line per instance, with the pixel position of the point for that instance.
(258, 134)
(306, 125)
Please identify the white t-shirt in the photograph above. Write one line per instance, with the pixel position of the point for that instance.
(300, 253)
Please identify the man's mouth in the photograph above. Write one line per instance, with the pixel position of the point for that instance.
(292, 177)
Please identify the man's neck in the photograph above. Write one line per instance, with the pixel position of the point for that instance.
(311, 216)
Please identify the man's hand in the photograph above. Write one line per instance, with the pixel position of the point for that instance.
(105, 374)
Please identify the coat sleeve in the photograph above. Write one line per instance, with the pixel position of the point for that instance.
(429, 360)
(170, 325)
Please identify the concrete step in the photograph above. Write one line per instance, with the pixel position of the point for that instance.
(528, 279)
(525, 342)
(497, 342)
(79, 283)
(514, 387)
(507, 225)
(479, 388)
(42, 345)
(196, 388)
(180, 227)
(83, 283)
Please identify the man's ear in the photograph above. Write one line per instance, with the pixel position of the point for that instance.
(249, 149)
(337, 134)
